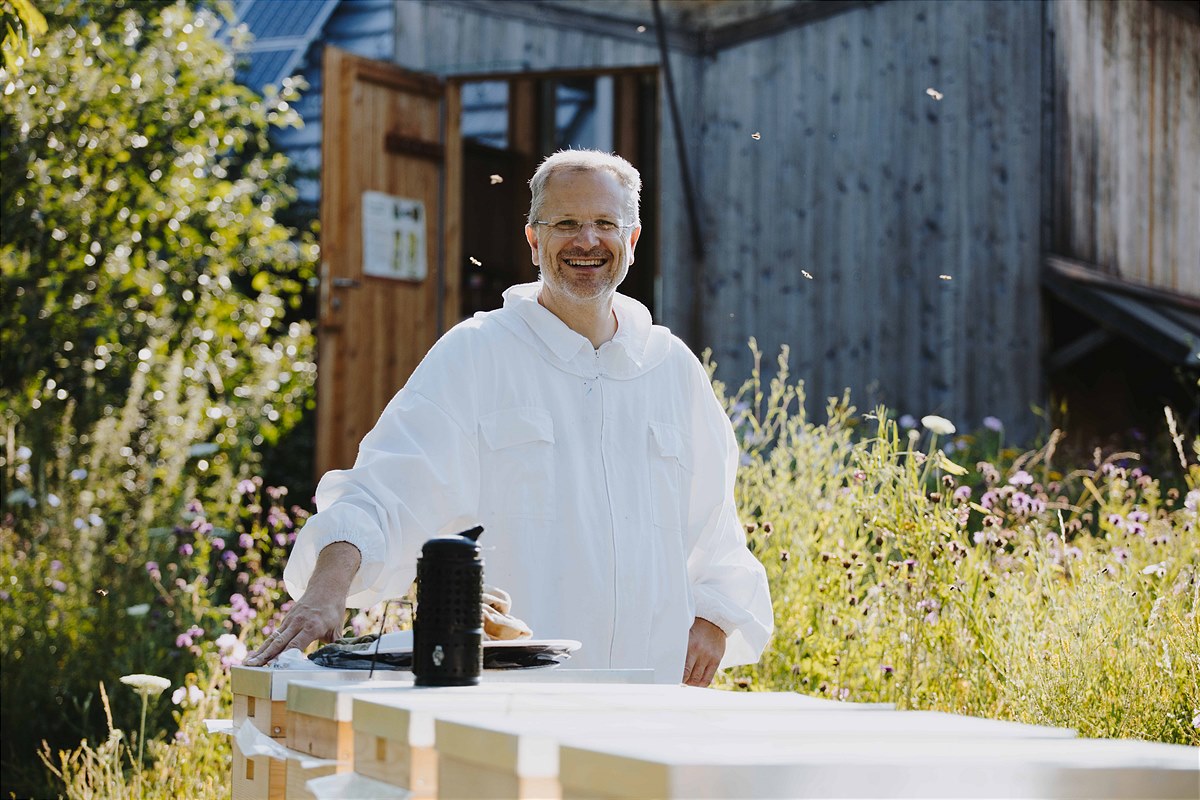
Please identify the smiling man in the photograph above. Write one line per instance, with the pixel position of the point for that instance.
(585, 439)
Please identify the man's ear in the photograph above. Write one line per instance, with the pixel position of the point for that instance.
(634, 235)
(532, 238)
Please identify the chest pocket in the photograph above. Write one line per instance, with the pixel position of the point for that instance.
(670, 463)
(516, 464)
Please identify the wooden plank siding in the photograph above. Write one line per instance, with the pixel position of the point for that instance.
(1126, 193)
(876, 189)
(859, 178)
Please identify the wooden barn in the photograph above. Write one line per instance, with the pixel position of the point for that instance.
(963, 207)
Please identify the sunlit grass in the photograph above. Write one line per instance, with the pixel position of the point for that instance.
(1012, 590)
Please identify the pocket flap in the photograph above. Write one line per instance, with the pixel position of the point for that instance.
(514, 426)
(672, 442)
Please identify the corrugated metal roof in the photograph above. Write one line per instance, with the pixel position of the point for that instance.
(273, 18)
(281, 31)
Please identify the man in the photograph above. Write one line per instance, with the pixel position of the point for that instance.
(586, 440)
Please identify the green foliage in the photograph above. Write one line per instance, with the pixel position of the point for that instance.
(138, 222)
(147, 292)
(20, 24)
(1005, 590)
(191, 764)
(182, 608)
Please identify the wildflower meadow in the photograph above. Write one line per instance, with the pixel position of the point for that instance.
(911, 565)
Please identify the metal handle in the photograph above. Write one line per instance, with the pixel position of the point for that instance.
(346, 283)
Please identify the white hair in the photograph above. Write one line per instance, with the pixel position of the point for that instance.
(586, 161)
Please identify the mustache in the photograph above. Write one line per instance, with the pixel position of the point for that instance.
(598, 252)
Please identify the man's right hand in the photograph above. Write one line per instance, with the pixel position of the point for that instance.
(318, 614)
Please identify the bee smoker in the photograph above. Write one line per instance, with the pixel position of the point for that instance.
(448, 627)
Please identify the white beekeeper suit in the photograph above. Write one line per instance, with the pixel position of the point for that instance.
(603, 479)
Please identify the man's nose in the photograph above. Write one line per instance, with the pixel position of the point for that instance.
(588, 234)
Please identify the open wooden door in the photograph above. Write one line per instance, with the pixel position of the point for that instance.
(390, 210)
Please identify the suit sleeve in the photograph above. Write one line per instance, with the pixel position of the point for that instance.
(728, 583)
(416, 476)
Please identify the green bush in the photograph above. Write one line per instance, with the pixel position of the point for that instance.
(148, 297)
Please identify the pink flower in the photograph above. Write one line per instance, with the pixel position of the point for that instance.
(962, 494)
(1021, 478)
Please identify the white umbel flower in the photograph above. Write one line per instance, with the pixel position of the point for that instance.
(939, 425)
(146, 685)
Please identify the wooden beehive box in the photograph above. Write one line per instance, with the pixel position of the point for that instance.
(260, 699)
(476, 761)
(394, 731)
(510, 750)
(318, 725)
(877, 767)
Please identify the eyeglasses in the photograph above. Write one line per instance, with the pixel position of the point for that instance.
(570, 228)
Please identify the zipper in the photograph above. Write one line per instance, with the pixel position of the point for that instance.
(612, 517)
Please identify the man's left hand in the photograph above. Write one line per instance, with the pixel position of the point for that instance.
(706, 647)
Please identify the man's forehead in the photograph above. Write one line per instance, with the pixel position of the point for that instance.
(585, 190)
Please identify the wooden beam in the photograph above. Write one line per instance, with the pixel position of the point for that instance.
(803, 13)
(1081, 272)
(694, 40)
(581, 18)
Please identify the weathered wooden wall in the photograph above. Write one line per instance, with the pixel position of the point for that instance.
(1127, 141)
(859, 178)
(876, 189)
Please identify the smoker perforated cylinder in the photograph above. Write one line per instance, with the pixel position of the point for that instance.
(448, 627)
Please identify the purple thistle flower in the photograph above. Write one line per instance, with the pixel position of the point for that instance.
(185, 549)
(246, 541)
(218, 543)
(230, 558)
